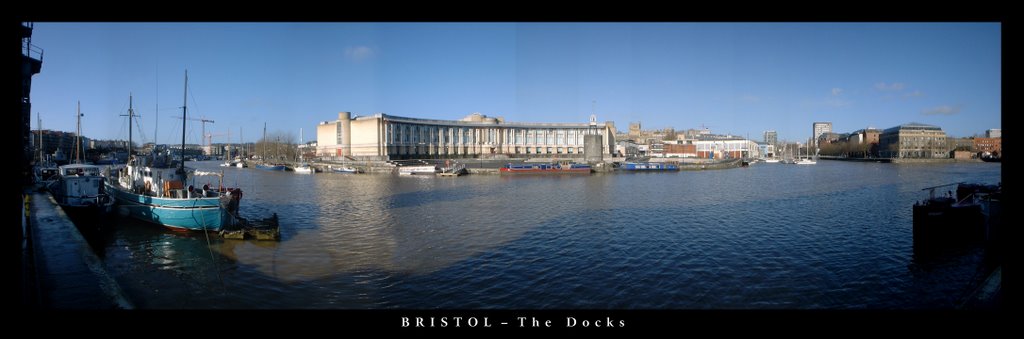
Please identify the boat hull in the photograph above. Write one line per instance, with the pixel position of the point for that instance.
(418, 170)
(194, 214)
(271, 168)
(942, 226)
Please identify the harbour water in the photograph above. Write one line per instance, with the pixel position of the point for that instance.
(836, 235)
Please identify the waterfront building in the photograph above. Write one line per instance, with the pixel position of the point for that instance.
(718, 147)
(913, 140)
(767, 149)
(988, 145)
(388, 137)
(626, 148)
(865, 136)
(680, 151)
(819, 128)
(656, 149)
(831, 138)
(963, 155)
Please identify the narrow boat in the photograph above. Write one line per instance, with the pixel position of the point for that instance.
(648, 166)
(559, 168)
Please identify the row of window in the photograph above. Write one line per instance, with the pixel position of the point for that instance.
(410, 133)
(517, 150)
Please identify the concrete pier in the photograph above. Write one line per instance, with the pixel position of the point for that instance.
(68, 274)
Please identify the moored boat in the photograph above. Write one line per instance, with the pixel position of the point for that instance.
(559, 168)
(649, 166)
(80, 191)
(153, 190)
(954, 219)
(418, 170)
(343, 169)
(303, 168)
(270, 167)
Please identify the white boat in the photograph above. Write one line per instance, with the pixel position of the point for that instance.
(413, 170)
(345, 169)
(771, 160)
(240, 164)
(303, 168)
(79, 190)
(808, 160)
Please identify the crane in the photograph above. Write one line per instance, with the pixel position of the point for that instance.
(203, 121)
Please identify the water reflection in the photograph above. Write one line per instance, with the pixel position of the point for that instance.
(834, 235)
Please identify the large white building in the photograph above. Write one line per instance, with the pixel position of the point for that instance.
(387, 137)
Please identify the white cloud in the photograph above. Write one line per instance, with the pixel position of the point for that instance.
(837, 91)
(896, 86)
(914, 94)
(837, 103)
(359, 53)
(942, 110)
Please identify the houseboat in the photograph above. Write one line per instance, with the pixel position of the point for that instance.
(953, 219)
(560, 168)
(648, 166)
(80, 191)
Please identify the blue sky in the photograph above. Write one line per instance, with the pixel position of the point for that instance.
(734, 78)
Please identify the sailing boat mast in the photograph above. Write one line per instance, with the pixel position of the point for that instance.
(130, 113)
(78, 134)
(184, 121)
(156, 123)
